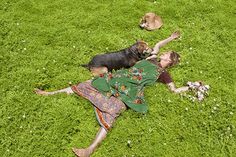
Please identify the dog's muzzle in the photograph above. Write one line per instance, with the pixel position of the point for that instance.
(146, 53)
(142, 25)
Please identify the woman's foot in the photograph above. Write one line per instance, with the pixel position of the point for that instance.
(40, 92)
(82, 152)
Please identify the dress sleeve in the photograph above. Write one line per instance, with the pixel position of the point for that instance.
(165, 77)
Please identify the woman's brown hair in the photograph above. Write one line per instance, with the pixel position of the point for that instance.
(175, 58)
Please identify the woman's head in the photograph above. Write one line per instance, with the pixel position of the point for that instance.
(175, 58)
(169, 59)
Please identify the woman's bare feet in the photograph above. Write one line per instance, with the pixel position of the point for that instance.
(40, 92)
(82, 152)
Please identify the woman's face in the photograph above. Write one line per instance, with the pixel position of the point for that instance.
(166, 57)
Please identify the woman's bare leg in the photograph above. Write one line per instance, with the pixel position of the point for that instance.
(65, 90)
(86, 152)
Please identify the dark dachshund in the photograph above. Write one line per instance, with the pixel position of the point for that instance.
(124, 58)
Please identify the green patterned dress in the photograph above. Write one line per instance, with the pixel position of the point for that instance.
(128, 84)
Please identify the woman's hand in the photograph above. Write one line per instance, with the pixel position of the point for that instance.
(151, 57)
(175, 35)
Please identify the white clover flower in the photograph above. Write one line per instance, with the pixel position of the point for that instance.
(129, 142)
(196, 83)
(207, 87)
(189, 83)
(200, 97)
(198, 89)
(199, 93)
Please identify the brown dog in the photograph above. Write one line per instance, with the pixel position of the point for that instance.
(151, 21)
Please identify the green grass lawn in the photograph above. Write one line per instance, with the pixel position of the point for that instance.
(42, 44)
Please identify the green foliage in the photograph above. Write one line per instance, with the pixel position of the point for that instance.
(42, 44)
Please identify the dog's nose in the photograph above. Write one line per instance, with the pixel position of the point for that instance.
(142, 25)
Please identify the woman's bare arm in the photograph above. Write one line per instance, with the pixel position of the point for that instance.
(160, 44)
(173, 88)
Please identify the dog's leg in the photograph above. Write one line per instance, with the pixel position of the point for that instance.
(160, 44)
(65, 90)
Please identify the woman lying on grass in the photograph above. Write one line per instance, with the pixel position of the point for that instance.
(112, 93)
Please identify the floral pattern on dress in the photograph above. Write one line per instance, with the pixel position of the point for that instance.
(126, 84)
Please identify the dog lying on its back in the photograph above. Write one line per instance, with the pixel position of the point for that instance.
(124, 58)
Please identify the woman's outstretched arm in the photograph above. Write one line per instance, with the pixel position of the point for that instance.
(160, 44)
(173, 88)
